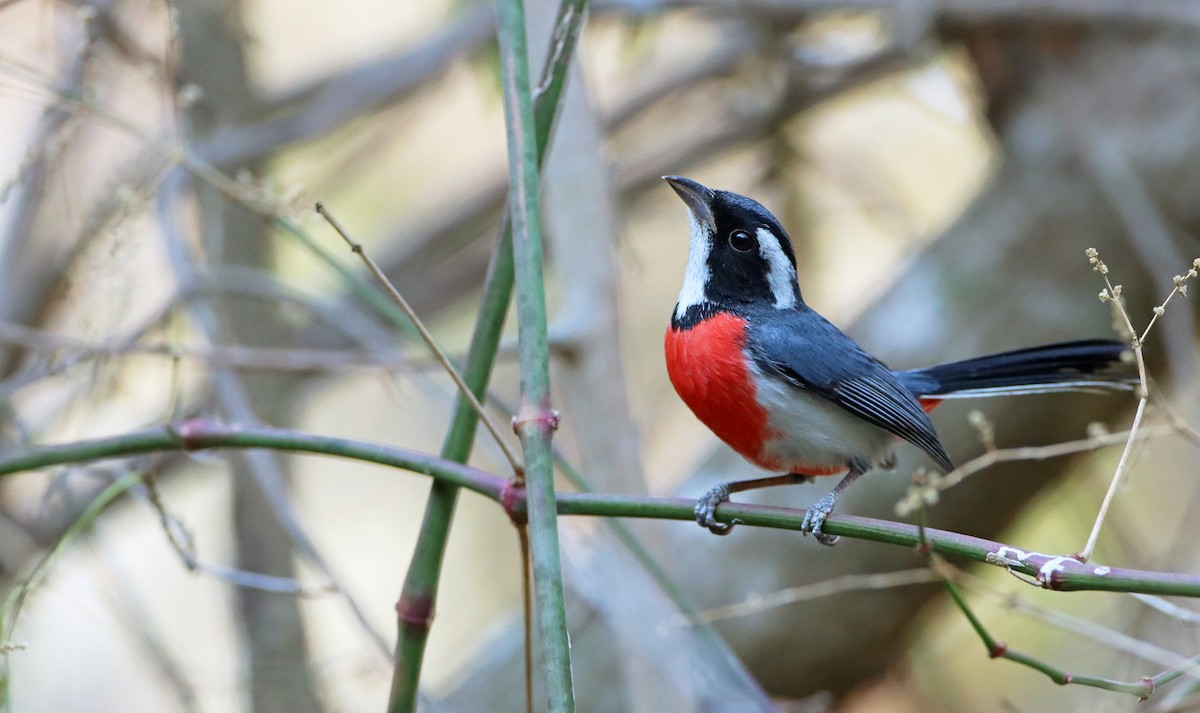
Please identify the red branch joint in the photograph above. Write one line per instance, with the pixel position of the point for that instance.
(1149, 687)
(191, 433)
(998, 649)
(510, 496)
(415, 613)
(547, 419)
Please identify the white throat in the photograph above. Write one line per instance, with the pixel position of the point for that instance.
(696, 274)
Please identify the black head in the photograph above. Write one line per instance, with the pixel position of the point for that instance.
(739, 255)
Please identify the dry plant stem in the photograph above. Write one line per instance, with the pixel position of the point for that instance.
(925, 492)
(464, 390)
(756, 604)
(1137, 342)
(527, 613)
(536, 421)
(229, 355)
(1168, 608)
(183, 544)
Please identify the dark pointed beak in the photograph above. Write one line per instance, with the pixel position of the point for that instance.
(699, 198)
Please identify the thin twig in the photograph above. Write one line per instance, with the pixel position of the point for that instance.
(10, 609)
(357, 248)
(182, 541)
(1142, 688)
(1112, 293)
(1169, 608)
(927, 492)
(238, 356)
(527, 607)
(1105, 636)
(756, 603)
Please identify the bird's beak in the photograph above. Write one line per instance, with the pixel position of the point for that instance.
(699, 198)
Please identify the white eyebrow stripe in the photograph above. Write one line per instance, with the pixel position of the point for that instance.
(781, 274)
(697, 272)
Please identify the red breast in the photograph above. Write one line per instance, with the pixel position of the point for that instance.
(708, 367)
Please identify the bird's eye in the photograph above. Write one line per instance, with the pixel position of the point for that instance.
(741, 241)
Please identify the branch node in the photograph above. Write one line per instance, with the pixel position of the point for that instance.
(190, 433)
(512, 495)
(1149, 681)
(416, 612)
(998, 649)
(546, 418)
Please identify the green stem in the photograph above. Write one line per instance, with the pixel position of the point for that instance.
(999, 650)
(419, 593)
(536, 421)
(418, 596)
(199, 434)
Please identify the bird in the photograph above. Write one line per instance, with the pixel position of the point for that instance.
(791, 393)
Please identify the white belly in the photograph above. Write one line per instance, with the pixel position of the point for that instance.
(813, 432)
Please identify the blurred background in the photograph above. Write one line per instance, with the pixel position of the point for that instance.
(941, 168)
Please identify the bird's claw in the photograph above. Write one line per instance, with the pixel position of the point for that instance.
(706, 511)
(814, 518)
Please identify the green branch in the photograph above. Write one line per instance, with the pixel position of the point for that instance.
(1059, 573)
(536, 421)
(419, 594)
(1053, 572)
(996, 649)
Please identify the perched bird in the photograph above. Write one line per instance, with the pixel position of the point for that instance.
(790, 392)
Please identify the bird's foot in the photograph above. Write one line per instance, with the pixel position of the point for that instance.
(814, 518)
(706, 510)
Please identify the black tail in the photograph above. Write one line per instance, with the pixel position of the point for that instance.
(1069, 366)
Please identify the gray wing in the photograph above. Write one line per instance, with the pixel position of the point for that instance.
(802, 347)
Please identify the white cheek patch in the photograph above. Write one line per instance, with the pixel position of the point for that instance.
(781, 274)
(696, 274)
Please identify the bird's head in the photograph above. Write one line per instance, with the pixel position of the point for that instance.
(739, 253)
